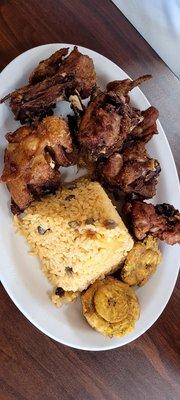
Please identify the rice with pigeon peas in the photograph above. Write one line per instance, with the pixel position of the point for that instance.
(77, 234)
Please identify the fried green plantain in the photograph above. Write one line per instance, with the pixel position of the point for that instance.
(111, 307)
(141, 262)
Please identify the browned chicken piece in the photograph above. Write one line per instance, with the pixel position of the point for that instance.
(38, 99)
(48, 67)
(109, 120)
(110, 168)
(139, 178)
(82, 68)
(135, 116)
(147, 127)
(162, 221)
(135, 151)
(104, 126)
(132, 171)
(143, 123)
(32, 159)
(125, 86)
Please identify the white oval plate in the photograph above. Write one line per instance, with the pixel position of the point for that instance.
(20, 273)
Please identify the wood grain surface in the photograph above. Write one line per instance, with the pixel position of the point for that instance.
(32, 366)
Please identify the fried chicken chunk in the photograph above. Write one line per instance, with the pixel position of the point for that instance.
(32, 159)
(54, 79)
(48, 67)
(125, 86)
(104, 126)
(141, 262)
(132, 171)
(110, 119)
(161, 221)
(146, 127)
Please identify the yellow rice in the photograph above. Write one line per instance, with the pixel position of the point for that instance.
(77, 245)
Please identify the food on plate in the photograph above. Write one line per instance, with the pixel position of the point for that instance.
(76, 230)
(60, 296)
(122, 88)
(132, 171)
(104, 126)
(110, 307)
(52, 80)
(147, 127)
(161, 221)
(141, 262)
(48, 67)
(77, 234)
(32, 159)
(110, 120)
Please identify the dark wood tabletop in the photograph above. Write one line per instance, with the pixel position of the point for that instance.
(32, 366)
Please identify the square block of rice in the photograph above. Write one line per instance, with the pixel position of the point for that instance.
(77, 234)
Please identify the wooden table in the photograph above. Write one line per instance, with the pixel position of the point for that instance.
(32, 366)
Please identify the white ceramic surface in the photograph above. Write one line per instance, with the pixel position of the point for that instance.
(20, 273)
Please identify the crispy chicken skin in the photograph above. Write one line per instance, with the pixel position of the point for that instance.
(125, 86)
(32, 159)
(82, 67)
(147, 126)
(104, 126)
(48, 67)
(161, 221)
(132, 171)
(110, 120)
(54, 79)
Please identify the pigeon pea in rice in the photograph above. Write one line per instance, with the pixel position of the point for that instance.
(60, 296)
